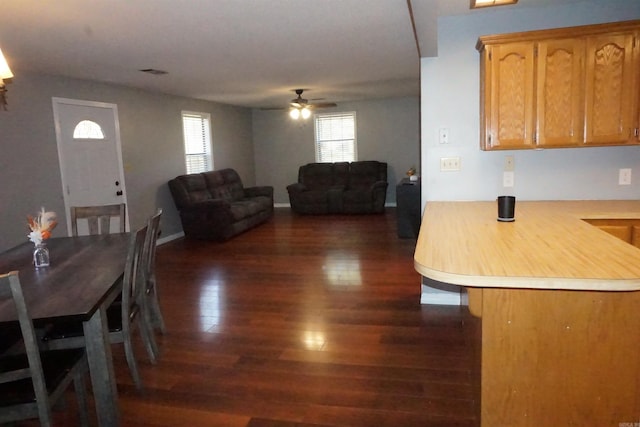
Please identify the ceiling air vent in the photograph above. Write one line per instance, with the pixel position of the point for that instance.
(154, 71)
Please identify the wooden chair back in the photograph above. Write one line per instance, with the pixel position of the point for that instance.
(156, 319)
(98, 218)
(13, 369)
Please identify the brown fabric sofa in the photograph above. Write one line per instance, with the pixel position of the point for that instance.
(331, 188)
(216, 206)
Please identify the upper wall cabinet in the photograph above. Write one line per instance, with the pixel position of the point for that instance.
(569, 87)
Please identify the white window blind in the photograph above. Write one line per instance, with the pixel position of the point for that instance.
(336, 137)
(197, 142)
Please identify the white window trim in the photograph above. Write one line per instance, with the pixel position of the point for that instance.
(355, 132)
(208, 153)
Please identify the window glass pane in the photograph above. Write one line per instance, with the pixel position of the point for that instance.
(87, 129)
(336, 137)
(197, 142)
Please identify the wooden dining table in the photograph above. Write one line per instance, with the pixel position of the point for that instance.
(83, 279)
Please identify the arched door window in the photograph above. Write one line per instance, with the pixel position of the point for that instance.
(88, 129)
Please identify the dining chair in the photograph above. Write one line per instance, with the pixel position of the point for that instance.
(32, 382)
(123, 316)
(98, 218)
(156, 320)
(10, 337)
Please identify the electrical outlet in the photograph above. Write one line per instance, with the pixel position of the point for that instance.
(508, 179)
(449, 164)
(624, 177)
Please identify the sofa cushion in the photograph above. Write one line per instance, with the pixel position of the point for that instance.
(316, 176)
(364, 174)
(241, 209)
(194, 190)
(341, 174)
(224, 184)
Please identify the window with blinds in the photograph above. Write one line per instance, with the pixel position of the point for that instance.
(336, 137)
(197, 142)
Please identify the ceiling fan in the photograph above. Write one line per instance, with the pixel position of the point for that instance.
(301, 107)
(300, 102)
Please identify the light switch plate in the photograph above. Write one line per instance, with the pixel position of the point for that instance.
(444, 135)
(509, 163)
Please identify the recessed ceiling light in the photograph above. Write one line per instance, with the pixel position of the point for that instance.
(476, 4)
(154, 71)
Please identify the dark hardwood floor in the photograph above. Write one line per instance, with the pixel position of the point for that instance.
(303, 321)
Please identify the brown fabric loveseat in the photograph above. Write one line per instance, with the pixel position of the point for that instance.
(215, 205)
(334, 188)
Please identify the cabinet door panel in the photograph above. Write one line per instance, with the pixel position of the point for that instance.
(511, 93)
(559, 92)
(620, 231)
(635, 235)
(609, 89)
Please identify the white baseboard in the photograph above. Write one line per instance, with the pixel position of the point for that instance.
(167, 239)
(288, 205)
(439, 293)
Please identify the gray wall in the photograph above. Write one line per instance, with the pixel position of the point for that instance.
(387, 130)
(450, 98)
(152, 148)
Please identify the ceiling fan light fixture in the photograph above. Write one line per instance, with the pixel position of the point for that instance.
(305, 112)
(5, 73)
(477, 4)
(294, 113)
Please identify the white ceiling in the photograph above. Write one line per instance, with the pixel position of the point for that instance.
(250, 53)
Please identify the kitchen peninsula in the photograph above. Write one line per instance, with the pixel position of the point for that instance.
(554, 304)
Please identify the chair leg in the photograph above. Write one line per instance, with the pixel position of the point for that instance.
(146, 332)
(158, 320)
(131, 361)
(154, 306)
(81, 393)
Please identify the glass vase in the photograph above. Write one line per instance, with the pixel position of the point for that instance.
(41, 255)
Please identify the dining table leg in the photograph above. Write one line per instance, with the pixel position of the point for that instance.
(100, 360)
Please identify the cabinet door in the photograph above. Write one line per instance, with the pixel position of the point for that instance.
(609, 87)
(559, 110)
(509, 121)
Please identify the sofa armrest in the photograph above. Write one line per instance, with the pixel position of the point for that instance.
(379, 184)
(265, 190)
(296, 188)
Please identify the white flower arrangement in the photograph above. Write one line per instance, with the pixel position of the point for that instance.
(41, 226)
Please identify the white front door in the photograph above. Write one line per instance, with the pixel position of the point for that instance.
(89, 150)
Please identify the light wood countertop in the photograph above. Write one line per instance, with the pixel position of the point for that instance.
(548, 246)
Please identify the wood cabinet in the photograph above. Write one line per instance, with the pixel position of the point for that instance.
(570, 87)
(623, 228)
(611, 91)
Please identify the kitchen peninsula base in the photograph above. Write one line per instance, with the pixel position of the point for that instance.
(557, 358)
(554, 307)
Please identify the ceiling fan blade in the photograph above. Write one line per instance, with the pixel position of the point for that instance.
(272, 108)
(324, 105)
